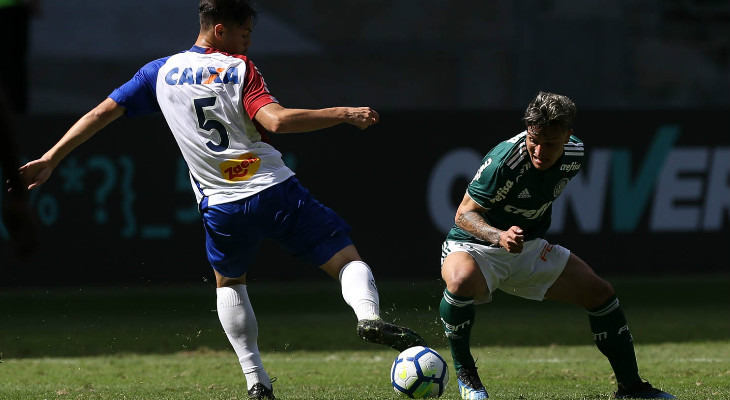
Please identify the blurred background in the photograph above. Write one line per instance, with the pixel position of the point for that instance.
(409, 55)
(450, 80)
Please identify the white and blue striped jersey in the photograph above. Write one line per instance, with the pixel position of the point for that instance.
(208, 99)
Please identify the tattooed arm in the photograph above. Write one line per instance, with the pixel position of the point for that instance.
(469, 218)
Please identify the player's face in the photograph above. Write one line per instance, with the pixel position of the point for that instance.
(235, 38)
(546, 146)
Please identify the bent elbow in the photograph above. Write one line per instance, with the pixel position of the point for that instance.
(458, 217)
(274, 125)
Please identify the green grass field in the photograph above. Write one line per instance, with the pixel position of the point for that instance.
(165, 342)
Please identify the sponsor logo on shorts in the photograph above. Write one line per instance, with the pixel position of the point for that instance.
(545, 250)
(240, 169)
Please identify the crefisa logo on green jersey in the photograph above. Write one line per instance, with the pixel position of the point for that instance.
(502, 192)
(570, 167)
(529, 214)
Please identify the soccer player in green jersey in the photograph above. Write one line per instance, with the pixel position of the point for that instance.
(497, 242)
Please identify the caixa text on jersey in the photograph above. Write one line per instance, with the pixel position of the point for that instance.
(201, 76)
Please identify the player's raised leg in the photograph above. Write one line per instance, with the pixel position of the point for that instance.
(361, 293)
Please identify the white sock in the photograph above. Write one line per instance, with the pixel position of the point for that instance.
(239, 323)
(359, 290)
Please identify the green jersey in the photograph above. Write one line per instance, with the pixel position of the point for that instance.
(514, 193)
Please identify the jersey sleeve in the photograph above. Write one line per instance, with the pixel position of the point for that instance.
(482, 187)
(255, 93)
(575, 155)
(138, 94)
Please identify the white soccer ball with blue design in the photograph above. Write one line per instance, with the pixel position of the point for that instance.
(419, 373)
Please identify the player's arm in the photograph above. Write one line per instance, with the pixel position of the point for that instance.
(38, 171)
(469, 218)
(278, 119)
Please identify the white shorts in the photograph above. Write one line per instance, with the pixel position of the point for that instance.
(528, 274)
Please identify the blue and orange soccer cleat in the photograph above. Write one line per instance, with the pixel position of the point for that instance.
(470, 386)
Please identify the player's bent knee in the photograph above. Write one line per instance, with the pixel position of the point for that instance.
(605, 290)
(463, 279)
(597, 292)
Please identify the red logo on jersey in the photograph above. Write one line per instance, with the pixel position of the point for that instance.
(240, 169)
(545, 250)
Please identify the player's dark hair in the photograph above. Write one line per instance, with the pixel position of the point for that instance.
(222, 11)
(548, 110)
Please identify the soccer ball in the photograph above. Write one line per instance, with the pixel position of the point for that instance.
(419, 372)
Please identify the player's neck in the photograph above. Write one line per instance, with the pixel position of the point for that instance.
(202, 41)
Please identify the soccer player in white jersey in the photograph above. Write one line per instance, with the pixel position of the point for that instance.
(219, 110)
(497, 242)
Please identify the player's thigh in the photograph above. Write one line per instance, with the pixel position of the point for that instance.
(579, 284)
(231, 239)
(224, 281)
(462, 275)
(311, 231)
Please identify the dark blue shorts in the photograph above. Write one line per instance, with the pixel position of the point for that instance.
(285, 212)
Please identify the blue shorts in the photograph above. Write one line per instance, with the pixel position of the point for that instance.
(285, 212)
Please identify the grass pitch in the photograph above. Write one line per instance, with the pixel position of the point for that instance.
(166, 342)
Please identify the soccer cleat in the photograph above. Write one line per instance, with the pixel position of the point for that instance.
(381, 332)
(642, 390)
(470, 386)
(259, 391)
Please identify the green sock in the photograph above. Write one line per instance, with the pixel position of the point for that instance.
(612, 336)
(457, 318)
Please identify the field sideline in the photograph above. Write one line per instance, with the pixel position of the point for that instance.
(165, 342)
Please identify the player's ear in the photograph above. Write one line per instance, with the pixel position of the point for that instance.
(218, 30)
(567, 135)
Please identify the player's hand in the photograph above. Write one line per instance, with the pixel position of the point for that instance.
(512, 239)
(35, 173)
(362, 117)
